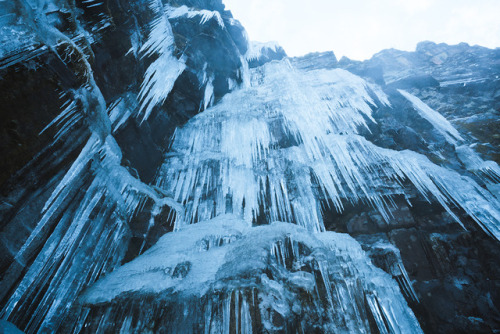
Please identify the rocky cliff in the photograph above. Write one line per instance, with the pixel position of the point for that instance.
(163, 174)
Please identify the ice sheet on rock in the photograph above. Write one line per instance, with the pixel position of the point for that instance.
(195, 246)
(205, 259)
(289, 140)
(234, 146)
(440, 123)
(205, 15)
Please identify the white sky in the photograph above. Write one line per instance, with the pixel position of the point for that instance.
(360, 28)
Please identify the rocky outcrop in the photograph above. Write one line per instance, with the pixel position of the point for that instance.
(461, 82)
(315, 60)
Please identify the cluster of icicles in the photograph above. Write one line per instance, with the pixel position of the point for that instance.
(290, 138)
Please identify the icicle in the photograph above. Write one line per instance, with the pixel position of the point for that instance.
(244, 73)
(473, 162)
(436, 119)
(378, 314)
(326, 281)
(226, 323)
(246, 319)
(406, 283)
(209, 94)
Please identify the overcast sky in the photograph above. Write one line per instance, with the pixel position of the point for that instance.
(359, 28)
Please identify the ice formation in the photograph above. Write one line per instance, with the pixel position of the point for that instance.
(83, 236)
(473, 162)
(255, 49)
(205, 15)
(111, 196)
(161, 75)
(440, 123)
(276, 148)
(331, 286)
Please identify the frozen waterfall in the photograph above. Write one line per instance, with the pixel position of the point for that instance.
(272, 151)
(179, 178)
(291, 138)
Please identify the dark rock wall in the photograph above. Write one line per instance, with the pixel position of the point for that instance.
(88, 53)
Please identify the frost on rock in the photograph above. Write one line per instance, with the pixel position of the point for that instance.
(273, 150)
(290, 280)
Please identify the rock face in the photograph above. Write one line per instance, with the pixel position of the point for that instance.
(163, 174)
(461, 82)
